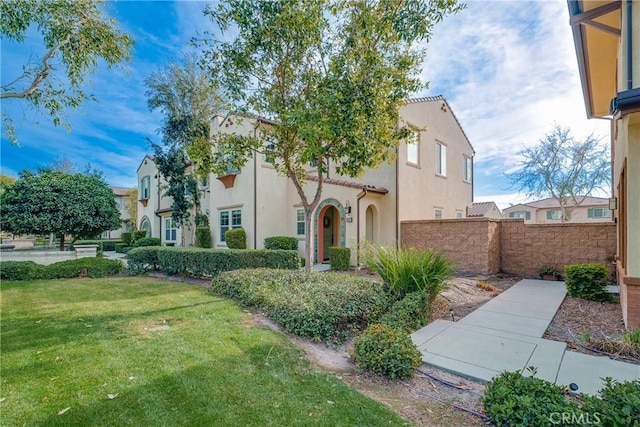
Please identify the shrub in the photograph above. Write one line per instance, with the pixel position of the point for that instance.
(96, 267)
(110, 245)
(588, 281)
(339, 258)
(126, 249)
(281, 242)
(142, 259)
(208, 262)
(384, 351)
(120, 247)
(90, 242)
(20, 270)
(236, 238)
(137, 235)
(170, 244)
(408, 270)
(203, 237)
(321, 306)
(127, 238)
(147, 241)
(511, 399)
(29, 270)
(409, 314)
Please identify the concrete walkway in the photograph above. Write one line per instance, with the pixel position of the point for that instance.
(505, 335)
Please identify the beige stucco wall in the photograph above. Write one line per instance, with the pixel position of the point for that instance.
(579, 214)
(421, 189)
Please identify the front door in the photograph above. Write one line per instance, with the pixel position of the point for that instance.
(328, 231)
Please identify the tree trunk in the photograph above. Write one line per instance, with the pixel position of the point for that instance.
(61, 242)
(308, 249)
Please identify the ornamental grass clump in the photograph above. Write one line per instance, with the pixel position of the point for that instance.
(406, 270)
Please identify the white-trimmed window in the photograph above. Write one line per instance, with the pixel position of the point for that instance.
(269, 154)
(229, 220)
(413, 148)
(438, 213)
(520, 214)
(554, 214)
(170, 230)
(598, 213)
(300, 222)
(145, 187)
(441, 159)
(468, 171)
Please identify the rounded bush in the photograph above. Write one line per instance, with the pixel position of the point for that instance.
(384, 351)
(147, 241)
(281, 242)
(236, 238)
(339, 258)
(20, 270)
(203, 237)
(588, 281)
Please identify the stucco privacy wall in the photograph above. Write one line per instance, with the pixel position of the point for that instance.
(487, 246)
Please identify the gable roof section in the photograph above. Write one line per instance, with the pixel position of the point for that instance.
(442, 98)
(121, 191)
(147, 156)
(479, 209)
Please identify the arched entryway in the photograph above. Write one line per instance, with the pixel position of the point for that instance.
(371, 224)
(329, 228)
(145, 224)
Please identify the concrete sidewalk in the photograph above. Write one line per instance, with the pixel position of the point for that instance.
(505, 335)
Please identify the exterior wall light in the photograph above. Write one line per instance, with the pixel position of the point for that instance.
(613, 203)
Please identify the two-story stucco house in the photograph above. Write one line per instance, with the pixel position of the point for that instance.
(430, 178)
(547, 211)
(607, 42)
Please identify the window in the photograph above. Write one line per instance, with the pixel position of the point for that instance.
(269, 155)
(170, 230)
(105, 235)
(413, 147)
(520, 214)
(438, 213)
(468, 171)
(229, 220)
(441, 159)
(599, 213)
(554, 214)
(119, 203)
(300, 223)
(145, 187)
(458, 214)
(146, 225)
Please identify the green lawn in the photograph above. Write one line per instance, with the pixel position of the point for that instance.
(88, 345)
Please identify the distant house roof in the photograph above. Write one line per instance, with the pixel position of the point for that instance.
(121, 191)
(441, 98)
(480, 209)
(582, 201)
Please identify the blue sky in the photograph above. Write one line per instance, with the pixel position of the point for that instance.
(507, 68)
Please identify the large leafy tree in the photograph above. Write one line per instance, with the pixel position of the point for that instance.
(188, 100)
(77, 35)
(564, 168)
(52, 201)
(330, 74)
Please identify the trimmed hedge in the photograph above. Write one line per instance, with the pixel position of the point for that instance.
(90, 242)
(207, 262)
(110, 245)
(588, 281)
(321, 306)
(137, 235)
(339, 258)
(147, 241)
(203, 237)
(127, 238)
(409, 314)
(281, 242)
(28, 270)
(384, 351)
(119, 247)
(236, 238)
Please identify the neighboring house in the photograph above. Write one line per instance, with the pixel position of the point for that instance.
(547, 211)
(484, 210)
(607, 42)
(122, 202)
(431, 178)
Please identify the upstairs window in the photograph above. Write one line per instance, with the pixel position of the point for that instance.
(413, 148)
(269, 155)
(145, 187)
(554, 214)
(467, 171)
(599, 213)
(520, 214)
(441, 159)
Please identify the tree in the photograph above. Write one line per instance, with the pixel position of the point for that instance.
(132, 207)
(76, 34)
(52, 201)
(184, 94)
(330, 74)
(6, 181)
(563, 168)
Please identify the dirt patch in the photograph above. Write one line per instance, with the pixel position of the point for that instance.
(157, 325)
